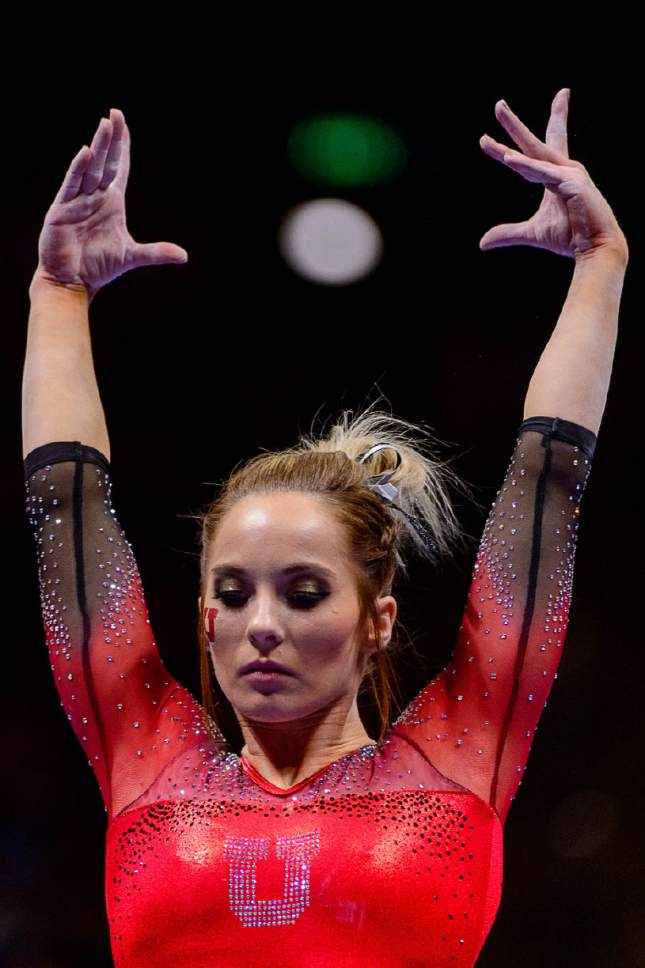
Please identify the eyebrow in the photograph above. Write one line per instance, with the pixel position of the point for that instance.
(291, 569)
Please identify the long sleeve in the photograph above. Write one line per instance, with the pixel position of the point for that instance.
(475, 722)
(128, 712)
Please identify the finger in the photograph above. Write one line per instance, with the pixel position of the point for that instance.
(523, 136)
(493, 148)
(158, 253)
(556, 129)
(121, 179)
(535, 170)
(508, 233)
(74, 176)
(503, 153)
(114, 151)
(99, 149)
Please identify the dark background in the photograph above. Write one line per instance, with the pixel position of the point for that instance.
(202, 365)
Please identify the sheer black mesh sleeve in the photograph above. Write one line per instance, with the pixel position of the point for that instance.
(129, 713)
(475, 722)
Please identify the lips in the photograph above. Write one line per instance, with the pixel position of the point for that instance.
(266, 666)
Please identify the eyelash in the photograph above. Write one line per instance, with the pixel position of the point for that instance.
(311, 598)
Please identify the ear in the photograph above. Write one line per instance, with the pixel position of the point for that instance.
(387, 608)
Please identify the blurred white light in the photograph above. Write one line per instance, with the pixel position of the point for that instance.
(330, 241)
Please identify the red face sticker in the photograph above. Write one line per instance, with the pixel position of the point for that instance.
(209, 621)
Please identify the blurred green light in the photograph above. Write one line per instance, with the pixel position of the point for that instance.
(346, 150)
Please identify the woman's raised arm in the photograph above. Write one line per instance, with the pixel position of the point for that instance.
(84, 244)
(572, 376)
(476, 721)
(130, 715)
(60, 395)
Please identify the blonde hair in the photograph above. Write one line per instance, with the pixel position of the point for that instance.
(379, 536)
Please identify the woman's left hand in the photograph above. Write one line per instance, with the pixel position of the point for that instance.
(573, 219)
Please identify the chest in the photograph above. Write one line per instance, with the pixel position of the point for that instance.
(362, 874)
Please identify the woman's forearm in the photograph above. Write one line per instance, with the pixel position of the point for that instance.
(571, 379)
(60, 395)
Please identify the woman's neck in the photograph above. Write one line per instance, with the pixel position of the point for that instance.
(287, 775)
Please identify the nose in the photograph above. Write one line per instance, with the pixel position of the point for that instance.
(264, 629)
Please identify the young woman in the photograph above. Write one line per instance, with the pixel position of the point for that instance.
(314, 844)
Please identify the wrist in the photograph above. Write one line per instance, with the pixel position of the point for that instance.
(42, 285)
(614, 254)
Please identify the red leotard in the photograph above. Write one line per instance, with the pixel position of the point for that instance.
(389, 856)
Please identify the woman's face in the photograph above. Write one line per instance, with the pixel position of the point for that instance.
(281, 587)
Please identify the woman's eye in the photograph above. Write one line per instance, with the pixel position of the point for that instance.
(301, 599)
(308, 599)
(232, 599)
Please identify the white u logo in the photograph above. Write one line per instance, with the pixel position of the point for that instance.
(243, 853)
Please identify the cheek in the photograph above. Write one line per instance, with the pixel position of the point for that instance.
(210, 614)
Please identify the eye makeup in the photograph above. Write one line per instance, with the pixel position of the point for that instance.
(304, 592)
(311, 574)
(312, 568)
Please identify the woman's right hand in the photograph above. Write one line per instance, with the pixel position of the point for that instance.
(84, 241)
